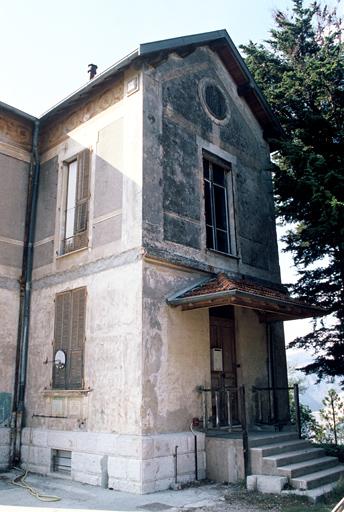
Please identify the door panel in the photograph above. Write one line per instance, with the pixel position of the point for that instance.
(222, 337)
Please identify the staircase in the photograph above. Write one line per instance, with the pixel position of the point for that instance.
(309, 471)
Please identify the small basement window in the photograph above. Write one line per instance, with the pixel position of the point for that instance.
(62, 461)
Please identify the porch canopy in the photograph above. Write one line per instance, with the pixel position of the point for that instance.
(271, 303)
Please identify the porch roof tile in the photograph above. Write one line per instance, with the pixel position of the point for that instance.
(273, 302)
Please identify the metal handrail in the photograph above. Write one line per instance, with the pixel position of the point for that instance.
(227, 390)
(296, 393)
(240, 392)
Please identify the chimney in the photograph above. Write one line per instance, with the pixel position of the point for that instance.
(92, 70)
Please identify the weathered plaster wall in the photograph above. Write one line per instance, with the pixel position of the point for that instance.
(14, 179)
(15, 143)
(112, 130)
(175, 353)
(177, 128)
(110, 125)
(111, 398)
(46, 213)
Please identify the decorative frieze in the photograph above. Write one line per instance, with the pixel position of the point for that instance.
(58, 129)
(15, 132)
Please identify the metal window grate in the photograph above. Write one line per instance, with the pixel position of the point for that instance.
(62, 461)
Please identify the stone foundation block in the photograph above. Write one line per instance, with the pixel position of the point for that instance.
(225, 460)
(120, 468)
(164, 444)
(91, 462)
(251, 483)
(38, 437)
(186, 463)
(104, 443)
(271, 484)
(4, 453)
(147, 448)
(157, 485)
(36, 455)
(128, 446)
(63, 440)
(157, 469)
(84, 442)
(4, 435)
(200, 442)
(87, 478)
(124, 485)
(36, 468)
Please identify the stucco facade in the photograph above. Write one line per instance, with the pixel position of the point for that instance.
(144, 360)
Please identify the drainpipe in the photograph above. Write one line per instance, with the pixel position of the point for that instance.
(18, 409)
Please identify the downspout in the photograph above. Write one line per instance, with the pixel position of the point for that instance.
(18, 409)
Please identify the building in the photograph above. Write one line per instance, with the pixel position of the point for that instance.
(155, 278)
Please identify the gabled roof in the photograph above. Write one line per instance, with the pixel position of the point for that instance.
(218, 40)
(273, 303)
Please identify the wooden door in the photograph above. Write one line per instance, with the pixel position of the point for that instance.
(223, 376)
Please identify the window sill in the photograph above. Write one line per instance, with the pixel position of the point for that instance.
(56, 393)
(228, 255)
(64, 255)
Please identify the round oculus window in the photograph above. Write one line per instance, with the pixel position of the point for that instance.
(215, 101)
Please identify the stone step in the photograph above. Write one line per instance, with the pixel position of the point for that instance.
(308, 466)
(270, 465)
(268, 438)
(282, 459)
(281, 447)
(318, 479)
(313, 495)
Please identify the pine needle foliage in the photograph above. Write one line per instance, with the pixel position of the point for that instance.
(300, 70)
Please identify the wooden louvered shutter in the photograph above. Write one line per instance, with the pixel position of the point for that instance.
(70, 318)
(82, 192)
(63, 316)
(77, 341)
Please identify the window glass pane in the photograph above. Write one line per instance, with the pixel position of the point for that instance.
(222, 241)
(220, 207)
(206, 169)
(215, 101)
(219, 175)
(71, 198)
(208, 218)
(210, 238)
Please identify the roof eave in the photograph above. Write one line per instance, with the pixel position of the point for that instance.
(92, 84)
(17, 112)
(304, 310)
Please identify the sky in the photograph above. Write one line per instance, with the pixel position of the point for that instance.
(47, 46)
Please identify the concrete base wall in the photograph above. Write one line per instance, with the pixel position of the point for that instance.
(225, 459)
(137, 464)
(4, 448)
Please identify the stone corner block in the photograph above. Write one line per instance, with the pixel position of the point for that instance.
(251, 483)
(271, 484)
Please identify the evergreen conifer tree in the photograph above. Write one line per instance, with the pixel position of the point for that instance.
(300, 69)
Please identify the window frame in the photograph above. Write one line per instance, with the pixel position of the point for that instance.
(229, 204)
(80, 238)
